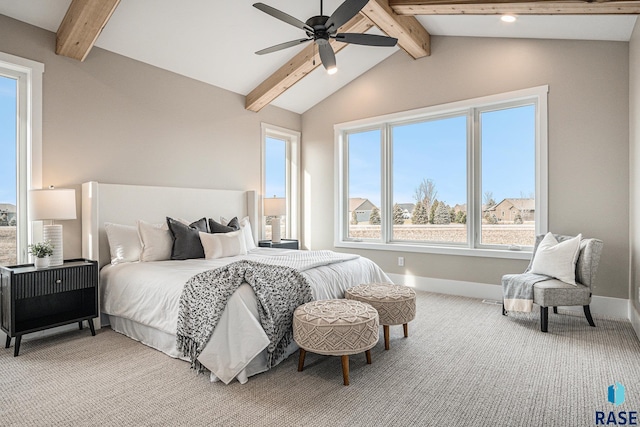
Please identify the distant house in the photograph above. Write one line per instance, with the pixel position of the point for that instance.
(362, 208)
(460, 208)
(407, 209)
(508, 209)
(7, 214)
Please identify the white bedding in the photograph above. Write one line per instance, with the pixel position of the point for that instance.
(141, 299)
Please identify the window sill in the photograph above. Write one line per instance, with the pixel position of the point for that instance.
(440, 250)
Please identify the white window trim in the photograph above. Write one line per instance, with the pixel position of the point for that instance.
(292, 139)
(538, 93)
(29, 75)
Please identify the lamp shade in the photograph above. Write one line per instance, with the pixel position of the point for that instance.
(275, 206)
(52, 204)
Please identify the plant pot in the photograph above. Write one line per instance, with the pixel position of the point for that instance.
(40, 263)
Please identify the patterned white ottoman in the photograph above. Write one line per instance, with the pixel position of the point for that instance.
(396, 304)
(336, 327)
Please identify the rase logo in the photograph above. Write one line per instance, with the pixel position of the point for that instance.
(616, 396)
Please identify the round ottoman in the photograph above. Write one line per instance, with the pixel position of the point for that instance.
(396, 304)
(336, 327)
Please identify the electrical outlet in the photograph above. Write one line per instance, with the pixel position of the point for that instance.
(401, 261)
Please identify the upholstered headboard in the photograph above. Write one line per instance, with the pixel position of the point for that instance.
(124, 204)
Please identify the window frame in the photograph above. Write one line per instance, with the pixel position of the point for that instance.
(292, 176)
(472, 109)
(28, 74)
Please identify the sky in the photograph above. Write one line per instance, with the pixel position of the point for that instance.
(7, 140)
(436, 150)
(275, 167)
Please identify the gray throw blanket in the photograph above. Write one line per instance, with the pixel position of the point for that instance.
(517, 290)
(278, 289)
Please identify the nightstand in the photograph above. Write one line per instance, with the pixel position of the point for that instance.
(284, 244)
(32, 300)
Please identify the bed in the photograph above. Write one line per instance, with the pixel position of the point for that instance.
(141, 299)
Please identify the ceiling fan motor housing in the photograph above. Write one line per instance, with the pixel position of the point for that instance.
(320, 32)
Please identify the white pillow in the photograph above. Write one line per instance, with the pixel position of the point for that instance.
(124, 243)
(245, 227)
(220, 245)
(156, 241)
(557, 259)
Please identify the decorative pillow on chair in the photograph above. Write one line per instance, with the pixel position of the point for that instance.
(557, 259)
(216, 227)
(186, 240)
(222, 245)
(124, 242)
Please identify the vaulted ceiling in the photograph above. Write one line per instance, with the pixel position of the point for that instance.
(215, 41)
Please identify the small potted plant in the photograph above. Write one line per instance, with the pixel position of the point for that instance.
(41, 251)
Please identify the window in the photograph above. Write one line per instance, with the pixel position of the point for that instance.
(280, 177)
(462, 178)
(20, 144)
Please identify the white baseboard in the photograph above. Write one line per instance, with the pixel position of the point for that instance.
(634, 316)
(600, 306)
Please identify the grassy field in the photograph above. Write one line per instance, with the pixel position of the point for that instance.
(7, 245)
(523, 235)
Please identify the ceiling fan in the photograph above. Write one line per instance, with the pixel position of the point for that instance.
(321, 28)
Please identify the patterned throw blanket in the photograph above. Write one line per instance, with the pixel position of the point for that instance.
(517, 290)
(278, 289)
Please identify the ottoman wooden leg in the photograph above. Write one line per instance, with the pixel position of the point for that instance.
(406, 329)
(303, 353)
(345, 369)
(368, 354)
(386, 336)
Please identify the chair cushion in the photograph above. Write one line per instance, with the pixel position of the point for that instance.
(553, 293)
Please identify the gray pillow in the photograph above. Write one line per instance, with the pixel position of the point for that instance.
(186, 240)
(216, 227)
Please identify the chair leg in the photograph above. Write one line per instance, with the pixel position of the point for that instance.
(544, 318)
(587, 314)
(555, 310)
(303, 353)
(504, 312)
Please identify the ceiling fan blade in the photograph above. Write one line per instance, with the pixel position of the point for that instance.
(282, 16)
(343, 13)
(327, 56)
(366, 39)
(281, 46)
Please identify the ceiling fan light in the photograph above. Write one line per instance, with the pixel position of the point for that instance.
(508, 18)
(332, 70)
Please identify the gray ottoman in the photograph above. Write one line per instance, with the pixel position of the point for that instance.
(396, 304)
(337, 327)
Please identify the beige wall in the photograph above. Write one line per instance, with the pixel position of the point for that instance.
(634, 163)
(588, 140)
(116, 120)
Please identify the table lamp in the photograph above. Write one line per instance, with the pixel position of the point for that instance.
(275, 207)
(53, 204)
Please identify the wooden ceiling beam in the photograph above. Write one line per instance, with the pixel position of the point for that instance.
(519, 7)
(298, 67)
(411, 35)
(82, 25)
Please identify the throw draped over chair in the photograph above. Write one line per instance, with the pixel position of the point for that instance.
(554, 293)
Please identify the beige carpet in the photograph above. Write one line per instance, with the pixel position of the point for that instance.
(463, 364)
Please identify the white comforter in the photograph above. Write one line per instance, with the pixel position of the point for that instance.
(148, 293)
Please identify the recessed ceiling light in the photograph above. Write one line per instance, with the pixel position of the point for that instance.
(332, 70)
(508, 18)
